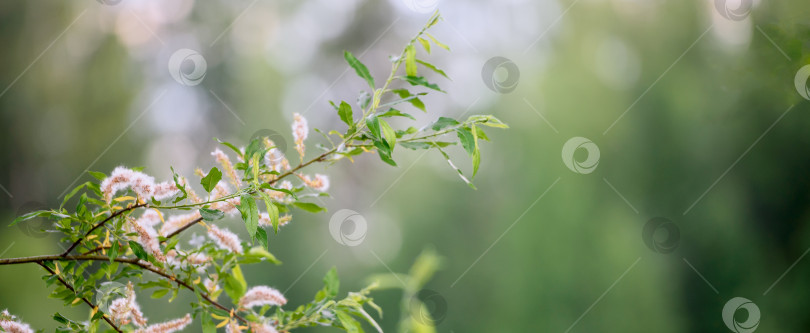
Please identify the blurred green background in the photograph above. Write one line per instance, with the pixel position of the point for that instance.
(703, 134)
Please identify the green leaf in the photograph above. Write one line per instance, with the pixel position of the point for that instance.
(270, 187)
(345, 113)
(425, 44)
(113, 251)
(211, 214)
(433, 68)
(467, 140)
(410, 60)
(160, 293)
(443, 122)
(331, 283)
(235, 284)
(361, 69)
(389, 134)
(349, 324)
(250, 214)
(261, 236)
(408, 97)
(98, 175)
(208, 325)
(437, 42)
(310, 207)
(394, 113)
(138, 250)
(272, 210)
(211, 179)
(488, 120)
(30, 215)
(420, 81)
(73, 192)
(261, 252)
(476, 156)
(374, 126)
(230, 145)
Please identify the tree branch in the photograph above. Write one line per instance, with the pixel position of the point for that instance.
(132, 261)
(92, 306)
(98, 225)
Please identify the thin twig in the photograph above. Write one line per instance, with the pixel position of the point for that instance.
(113, 215)
(92, 306)
(132, 261)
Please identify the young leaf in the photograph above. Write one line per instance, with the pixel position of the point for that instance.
(374, 126)
(211, 179)
(138, 250)
(272, 210)
(408, 97)
(250, 214)
(308, 206)
(395, 113)
(331, 283)
(433, 68)
(467, 140)
(424, 43)
(410, 60)
(389, 134)
(438, 43)
(361, 69)
(476, 156)
(30, 215)
(211, 214)
(349, 324)
(443, 122)
(421, 81)
(113, 251)
(345, 113)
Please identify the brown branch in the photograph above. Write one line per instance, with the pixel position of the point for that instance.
(303, 165)
(131, 261)
(92, 306)
(98, 225)
(183, 228)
